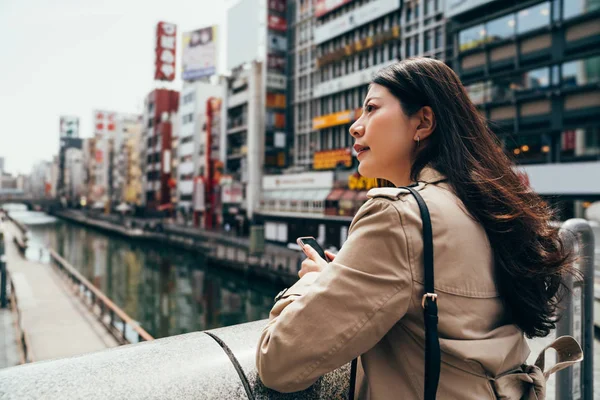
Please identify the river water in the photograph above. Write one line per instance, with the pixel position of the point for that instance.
(168, 291)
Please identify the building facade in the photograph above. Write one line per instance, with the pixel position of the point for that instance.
(533, 69)
(192, 138)
(74, 178)
(160, 114)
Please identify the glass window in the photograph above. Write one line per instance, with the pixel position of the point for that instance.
(581, 72)
(416, 44)
(438, 38)
(427, 43)
(530, 148)
(471, 37)
(408, 47)
(537, 78)
(501, 28)
(533, 17)
(573, 8)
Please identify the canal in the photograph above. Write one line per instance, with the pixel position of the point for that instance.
(168, 291)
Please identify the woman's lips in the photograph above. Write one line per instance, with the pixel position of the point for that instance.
(362, 151)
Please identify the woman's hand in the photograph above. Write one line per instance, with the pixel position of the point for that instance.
(314, 262)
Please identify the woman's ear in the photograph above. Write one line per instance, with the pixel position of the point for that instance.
(426, 123)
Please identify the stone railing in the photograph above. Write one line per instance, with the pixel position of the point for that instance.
(217, 364)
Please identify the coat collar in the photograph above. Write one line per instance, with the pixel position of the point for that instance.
(430, 175)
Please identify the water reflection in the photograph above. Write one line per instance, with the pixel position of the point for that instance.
(168, 291)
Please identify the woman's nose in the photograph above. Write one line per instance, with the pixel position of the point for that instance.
(357, 129)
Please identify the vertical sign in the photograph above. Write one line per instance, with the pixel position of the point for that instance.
(199, 53)
(166, 41)
(104, 122)
(69, 127)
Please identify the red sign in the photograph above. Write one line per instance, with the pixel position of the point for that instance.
(104, 122)
(324, 6)
(277, 23)
(277, 5)
(166, 42)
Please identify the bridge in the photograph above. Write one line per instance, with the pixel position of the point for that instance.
(32, 203)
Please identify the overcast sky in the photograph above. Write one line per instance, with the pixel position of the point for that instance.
(70, 57)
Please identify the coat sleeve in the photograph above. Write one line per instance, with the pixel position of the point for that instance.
(330, 317)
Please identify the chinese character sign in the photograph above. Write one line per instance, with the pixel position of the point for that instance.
(104, 123)
(69, 126)
(166, 42)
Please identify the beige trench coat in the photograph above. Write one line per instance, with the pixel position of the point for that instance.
(367, 303)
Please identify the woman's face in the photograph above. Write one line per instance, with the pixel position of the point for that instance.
(384, 137)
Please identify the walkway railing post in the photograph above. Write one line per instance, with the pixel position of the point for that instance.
(3, 282)
(578, 318)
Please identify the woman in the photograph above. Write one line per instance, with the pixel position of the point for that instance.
(499, 267)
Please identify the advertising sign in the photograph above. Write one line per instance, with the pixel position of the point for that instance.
(455, 7)
(330, 159)
(305, 180)
(104, 122)
(354, 19)
(166, 43)
(277, 42)
(200, 53)
(277, 23)
(198, 195)
(277, 5)
(276, 81)
(232, 193)
(324, 6)
(69, 126)
(276, 63)
(335, 119)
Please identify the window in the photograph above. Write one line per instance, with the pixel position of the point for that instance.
(581, 72)
(471, 37)
(427, 43)
(408, 47)
(501, 28)
(537, 78)
(416, 45)
(533, 17)
(573, 8)
(438, 38)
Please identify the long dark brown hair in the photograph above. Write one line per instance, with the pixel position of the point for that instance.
(531, 260)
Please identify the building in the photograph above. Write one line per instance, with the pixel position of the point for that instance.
(258, 139)
(336, 49)
(131, 150)
(160, 114)
(65, 144)
(40, 180)
(533, 69)
(127, 125)
(191, 150)
(74, 177)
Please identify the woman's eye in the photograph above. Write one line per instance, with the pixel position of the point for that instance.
(369, 108)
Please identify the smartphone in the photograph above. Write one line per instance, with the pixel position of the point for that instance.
(312, 242)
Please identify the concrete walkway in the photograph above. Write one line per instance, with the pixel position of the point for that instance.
(9, 350)
(57, 322)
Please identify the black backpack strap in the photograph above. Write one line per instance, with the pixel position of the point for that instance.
(430, 310)
(429, 304)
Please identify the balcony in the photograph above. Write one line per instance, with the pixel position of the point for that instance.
(359, 46)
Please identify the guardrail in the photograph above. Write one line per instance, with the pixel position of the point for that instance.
(221, 363)
(124, 329)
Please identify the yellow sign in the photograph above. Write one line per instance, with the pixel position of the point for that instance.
(330, 159)
(357, 182)
(335, 119)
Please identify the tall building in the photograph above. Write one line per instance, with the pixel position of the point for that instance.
(192, 138)
(258, 139)
(131, 151)
(533, 69)
(74, 188)
(337, 46)
(127, 125)
(160, 114)
(40, 180)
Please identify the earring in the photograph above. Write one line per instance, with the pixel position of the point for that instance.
(418, 142)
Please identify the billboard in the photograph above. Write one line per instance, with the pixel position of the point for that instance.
(324, 6)
(330, 159)
(455, 7)
(277, 23)
(166, 43)
(277, 5)
(69, 126)
(104, 122)
(200, 53)
(277, 42)
(276, 63)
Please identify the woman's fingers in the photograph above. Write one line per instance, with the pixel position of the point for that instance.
(308, 265)
(330, 255)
